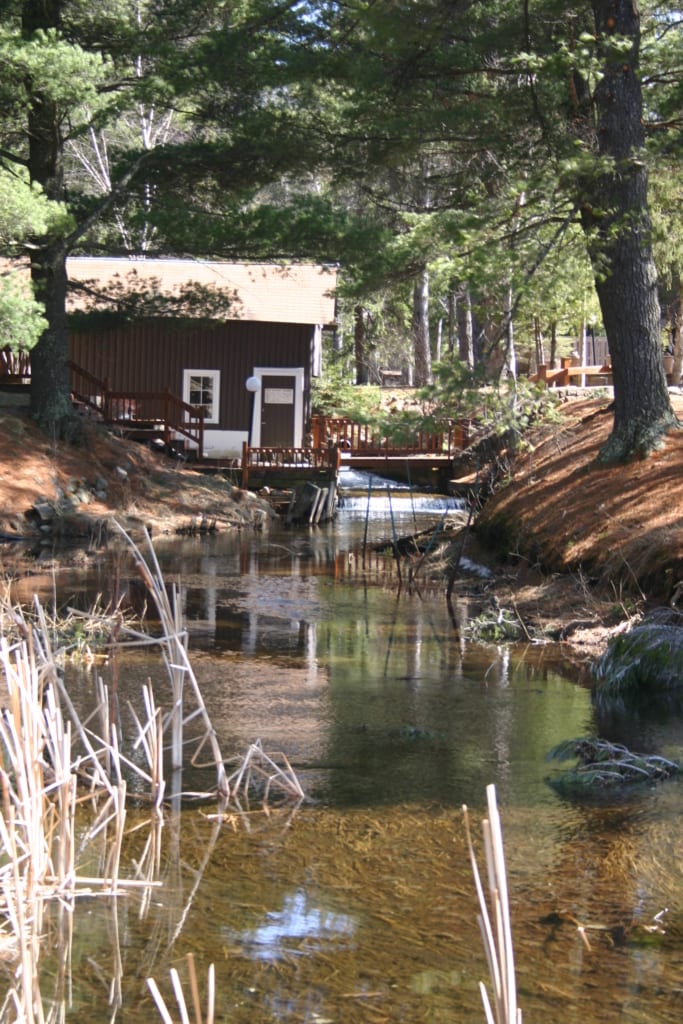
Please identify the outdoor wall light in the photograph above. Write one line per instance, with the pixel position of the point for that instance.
(253, 384)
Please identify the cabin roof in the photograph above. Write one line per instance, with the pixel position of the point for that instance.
(294, 293)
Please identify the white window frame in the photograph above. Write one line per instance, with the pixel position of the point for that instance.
(213, 413)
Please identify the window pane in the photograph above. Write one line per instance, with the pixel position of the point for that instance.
(201, 391)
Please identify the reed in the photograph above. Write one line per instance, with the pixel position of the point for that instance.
(494, 918)
(54, 759)
(198, 1017)
(260, 772)
(174, 646)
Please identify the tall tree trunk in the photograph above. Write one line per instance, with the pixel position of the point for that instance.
(421, 348)
(553, 342)
(509, 367)
(466, 328)
(539, 344)
(452, 320)
(617, 225)
(50, 396)
(359, 345)
(50, 390)
(677, 325)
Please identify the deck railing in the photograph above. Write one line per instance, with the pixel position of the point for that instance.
(15, 367)
(362, 438)
(288, 460)
(159, 411)
(562, 377)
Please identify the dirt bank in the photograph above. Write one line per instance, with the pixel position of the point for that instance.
(621, 527)
(586, 549)
(78, 489)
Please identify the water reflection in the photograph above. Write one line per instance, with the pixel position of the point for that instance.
(360, 906)
(300, 926)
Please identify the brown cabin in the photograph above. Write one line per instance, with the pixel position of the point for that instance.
(250, 367)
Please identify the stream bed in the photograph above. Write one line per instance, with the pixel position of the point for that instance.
(358, 904)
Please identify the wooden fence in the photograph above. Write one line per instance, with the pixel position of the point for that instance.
(15, 367)
(363, 439)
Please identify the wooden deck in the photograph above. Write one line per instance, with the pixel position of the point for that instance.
(279, 467)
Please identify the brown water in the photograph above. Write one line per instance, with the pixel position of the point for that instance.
(359, 904)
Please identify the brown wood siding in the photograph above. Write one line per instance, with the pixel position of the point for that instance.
(151, 356)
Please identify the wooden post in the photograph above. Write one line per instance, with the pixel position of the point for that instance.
(106, 401)
(200, 444)
(245, 465)
(317, 423)
(167, 425)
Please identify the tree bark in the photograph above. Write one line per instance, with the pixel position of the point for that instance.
(452, 320)
(50, 394)
(539, 344)
(50, 389)
(421, 347)
(615, 217)
(359, 345)
(676, 320)
(553, 342)
(465, 328)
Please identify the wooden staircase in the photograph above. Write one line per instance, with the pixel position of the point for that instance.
(141, 415)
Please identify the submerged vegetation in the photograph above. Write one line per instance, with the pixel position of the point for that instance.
(604, 765)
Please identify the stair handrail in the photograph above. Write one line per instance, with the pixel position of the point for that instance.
(176, 415)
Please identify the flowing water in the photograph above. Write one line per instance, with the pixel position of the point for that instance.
(358, 905)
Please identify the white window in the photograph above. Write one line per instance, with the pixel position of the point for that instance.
(202, 388)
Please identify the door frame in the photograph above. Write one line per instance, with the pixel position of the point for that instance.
(297, 373)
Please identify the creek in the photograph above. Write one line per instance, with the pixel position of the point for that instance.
(359, 905)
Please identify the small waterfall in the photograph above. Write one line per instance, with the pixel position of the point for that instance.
(361, 493)
(359, 480)
(399, 504)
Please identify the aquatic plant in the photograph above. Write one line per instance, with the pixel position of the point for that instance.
(173, 642)
(642, 664)
(497, 625)
(260, 772)
(602, 764)
(50, 755)
(77, 636)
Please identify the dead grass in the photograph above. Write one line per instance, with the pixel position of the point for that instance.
(621, 526)
(143, 487)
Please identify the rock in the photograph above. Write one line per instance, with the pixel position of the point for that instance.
(44, 510)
